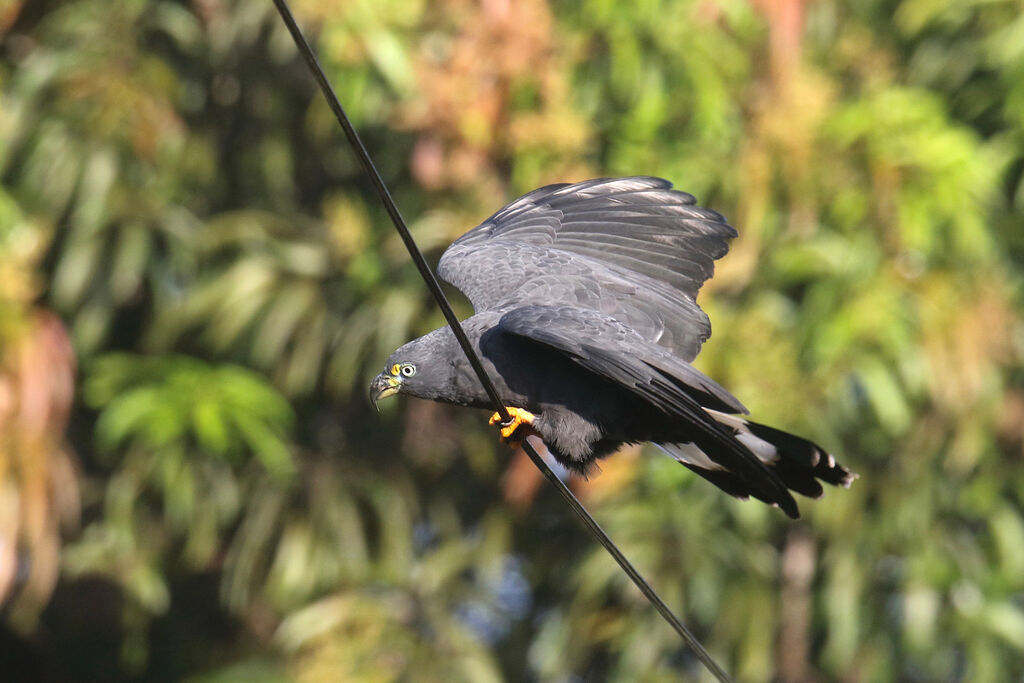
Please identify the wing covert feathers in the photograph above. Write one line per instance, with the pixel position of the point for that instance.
(631, 247)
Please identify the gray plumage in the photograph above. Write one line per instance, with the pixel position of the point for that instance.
(586, 316)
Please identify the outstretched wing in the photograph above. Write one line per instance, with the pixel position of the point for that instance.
(667, 384)
(632, 248)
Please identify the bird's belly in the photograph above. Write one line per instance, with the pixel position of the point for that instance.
(581, 415)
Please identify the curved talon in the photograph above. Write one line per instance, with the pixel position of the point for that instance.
(519, 418)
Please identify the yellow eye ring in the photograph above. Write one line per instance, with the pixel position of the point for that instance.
(403, 369)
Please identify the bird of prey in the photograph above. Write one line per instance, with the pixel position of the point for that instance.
(587, 322)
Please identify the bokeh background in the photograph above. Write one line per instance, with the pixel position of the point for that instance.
(196, 286)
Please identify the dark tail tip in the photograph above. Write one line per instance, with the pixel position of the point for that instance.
(802, 464)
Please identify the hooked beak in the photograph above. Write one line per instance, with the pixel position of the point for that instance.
(382, 386)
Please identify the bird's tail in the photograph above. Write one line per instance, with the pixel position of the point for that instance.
(797, 462)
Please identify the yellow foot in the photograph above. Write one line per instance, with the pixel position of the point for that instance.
(519, 418)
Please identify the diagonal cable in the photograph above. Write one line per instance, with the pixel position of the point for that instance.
(460, 334)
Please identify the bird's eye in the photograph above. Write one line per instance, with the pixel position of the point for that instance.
(408, 370)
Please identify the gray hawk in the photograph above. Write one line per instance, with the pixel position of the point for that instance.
(586, 320)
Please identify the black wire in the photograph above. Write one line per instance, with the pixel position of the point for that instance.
(460, 334)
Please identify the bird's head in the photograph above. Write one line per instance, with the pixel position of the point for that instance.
(393, 380)
(421, 368)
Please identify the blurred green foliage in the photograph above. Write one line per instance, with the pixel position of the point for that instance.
(174, 189)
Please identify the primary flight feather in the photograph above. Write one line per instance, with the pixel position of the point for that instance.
(586, 320)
